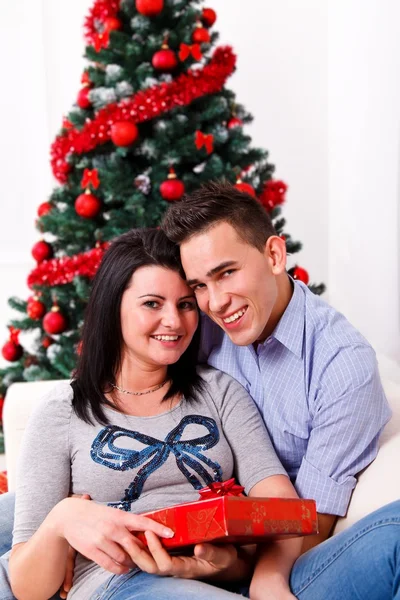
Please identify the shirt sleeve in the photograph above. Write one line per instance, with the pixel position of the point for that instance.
(348, 412)
(254, 456)
(43, 472)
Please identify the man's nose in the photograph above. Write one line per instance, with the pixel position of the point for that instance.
(217, 300)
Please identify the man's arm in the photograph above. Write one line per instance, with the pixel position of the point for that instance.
(325, 526)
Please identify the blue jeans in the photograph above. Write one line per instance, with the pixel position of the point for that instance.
(361, 563)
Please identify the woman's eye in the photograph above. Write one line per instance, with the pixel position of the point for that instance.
(151, 304)
(187, 305)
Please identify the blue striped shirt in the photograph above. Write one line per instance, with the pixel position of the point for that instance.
(316, 383)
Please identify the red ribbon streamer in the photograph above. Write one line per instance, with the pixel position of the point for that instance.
(217, 489)
(143, 106)
(60, 271)
(206, 140)
(185, 51)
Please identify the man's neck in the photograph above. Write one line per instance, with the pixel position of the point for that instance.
(285, 292)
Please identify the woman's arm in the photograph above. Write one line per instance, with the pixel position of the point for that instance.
(275, 560)
(100, 533)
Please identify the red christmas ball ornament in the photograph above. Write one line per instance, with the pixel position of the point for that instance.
(164, 60)
(44, 208)
(235, 122)
(112, 24)
(273, 194)
(12, 351)
(35, 308)
(149, 8)
(173, 188)
(201, 35)
(87, 205)
(47, 342)
(42, 251)
(209, 16)
(83, 98)
(245, 187)
(300, 274)
(54, 322)
(124, 133)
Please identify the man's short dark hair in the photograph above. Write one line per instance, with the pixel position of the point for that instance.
(217, 202)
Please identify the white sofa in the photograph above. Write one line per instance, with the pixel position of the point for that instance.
(377, 485)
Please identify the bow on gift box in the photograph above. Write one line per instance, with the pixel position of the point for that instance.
(90, 177)
(206, 140)
(185, 51)
(221, 488)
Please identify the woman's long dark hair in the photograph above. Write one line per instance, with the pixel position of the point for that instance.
(102, 342)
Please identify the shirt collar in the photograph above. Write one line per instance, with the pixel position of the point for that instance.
(290, 329)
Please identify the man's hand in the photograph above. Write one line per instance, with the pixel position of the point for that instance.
(207, 561)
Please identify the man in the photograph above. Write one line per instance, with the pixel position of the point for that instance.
(312, 375)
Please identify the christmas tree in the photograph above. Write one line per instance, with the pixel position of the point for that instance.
(152, 120)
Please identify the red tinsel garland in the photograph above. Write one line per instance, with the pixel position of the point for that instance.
(100, 11)
(144, 105)
(59, 271)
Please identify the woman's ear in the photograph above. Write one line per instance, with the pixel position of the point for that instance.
(275, 248)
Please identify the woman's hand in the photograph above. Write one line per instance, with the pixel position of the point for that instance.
(207, 561)
(101, 533)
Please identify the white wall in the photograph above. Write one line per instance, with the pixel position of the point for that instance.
(321, 79)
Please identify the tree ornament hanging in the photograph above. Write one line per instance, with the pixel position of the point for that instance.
(87, 205)
(300, 274)
(208, 16)
(54, 321)
(235, 122)
(47, 342)
(12, 350)
(42, 251)
(112, 24)
(165, 59)
(124, 133)
(201, 35)
(35, 308)
(83, 98)
(85, 79)
(44, 208)
(149, 8)
(173, 188)
(273, 194)
(242, 186)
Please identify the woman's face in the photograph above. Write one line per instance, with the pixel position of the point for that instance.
(158, 316)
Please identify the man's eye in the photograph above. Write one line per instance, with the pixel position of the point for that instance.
(228, 272)
(198, 287)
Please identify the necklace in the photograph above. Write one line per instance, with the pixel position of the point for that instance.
(160, 385)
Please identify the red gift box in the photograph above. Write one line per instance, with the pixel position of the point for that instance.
(223, 515)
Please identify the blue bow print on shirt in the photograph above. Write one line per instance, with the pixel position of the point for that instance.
(188, 455)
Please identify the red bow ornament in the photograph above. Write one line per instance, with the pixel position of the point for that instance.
(185, 51)
(101, 40)
(221, 488)
(204, 140)
(14, 334)
(90, 177)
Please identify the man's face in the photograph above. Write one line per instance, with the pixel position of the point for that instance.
(234, 283)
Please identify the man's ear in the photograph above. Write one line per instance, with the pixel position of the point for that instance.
(275, 249)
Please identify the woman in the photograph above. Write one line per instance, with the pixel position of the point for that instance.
(139, 428)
